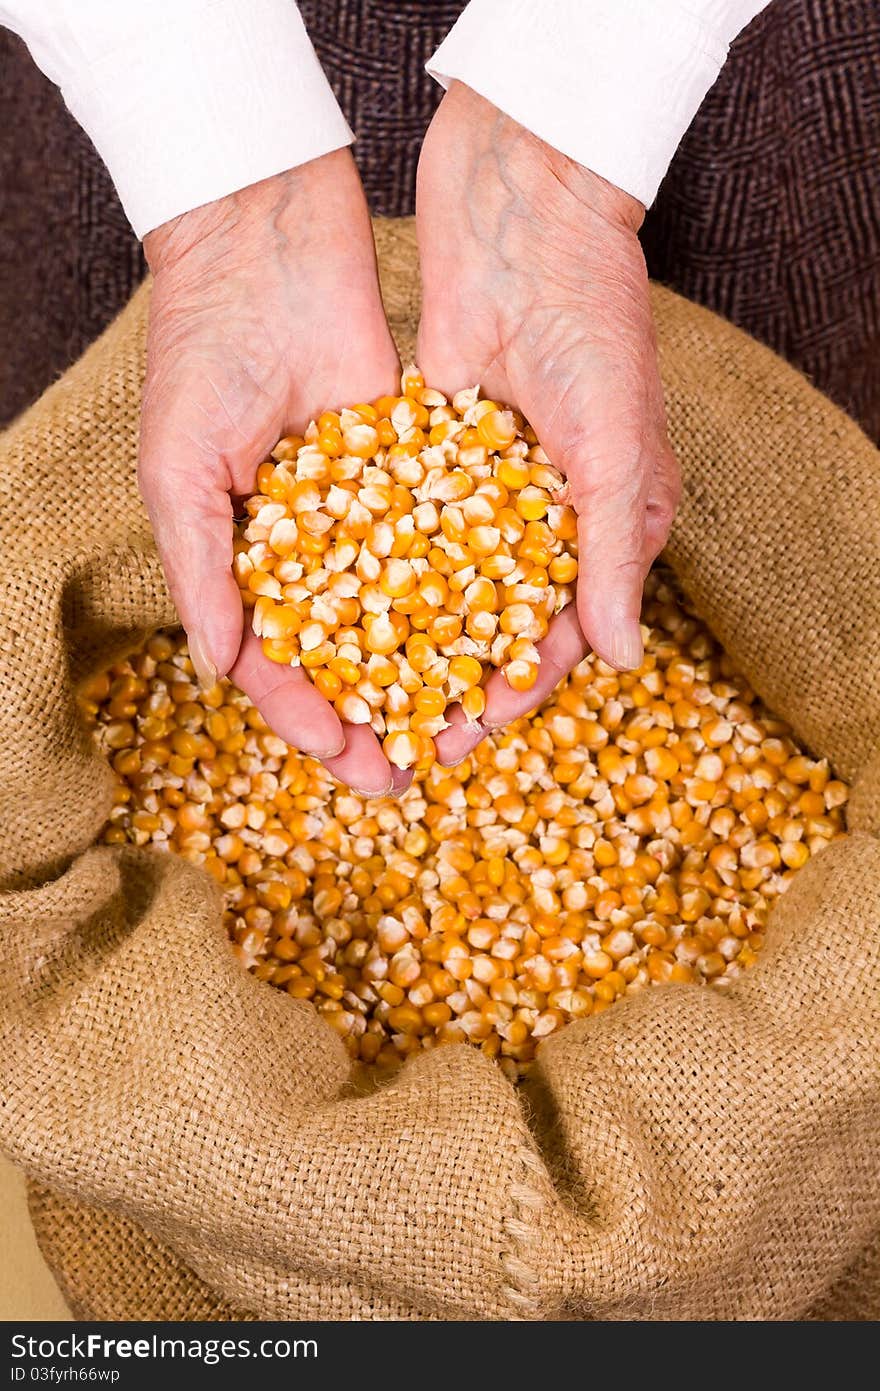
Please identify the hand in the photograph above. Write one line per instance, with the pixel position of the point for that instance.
(265, 310)
(534, 285)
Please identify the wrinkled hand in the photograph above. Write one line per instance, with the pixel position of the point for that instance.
(534, 285)
(265, 310)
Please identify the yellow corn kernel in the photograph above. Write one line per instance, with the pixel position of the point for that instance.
(473, 702)
(328, 683)
(318, 656)
(279, 650)
(281, 622)
(361, 441)
(563, 569)
(401, 749)
(496, 429)
(429, 702)
(520, 675)
(513, 473)
(380, 634)
(532, 503)
(397, 579)
(466, 671)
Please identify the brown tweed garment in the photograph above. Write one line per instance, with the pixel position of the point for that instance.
(770, 213)
(68, 258)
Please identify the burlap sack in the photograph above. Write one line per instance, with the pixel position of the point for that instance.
(193, 1144)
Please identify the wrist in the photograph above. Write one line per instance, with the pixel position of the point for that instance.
(181, 236)
(532, 160)
(322, 187)
(605, 199)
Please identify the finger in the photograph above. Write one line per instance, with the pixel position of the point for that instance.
(289, 703)
(441, 365)
(361, 763)
(603, 441)
(559, 651)
(663, 499)
(459, 739)
(193, 530)
(401, 781)
(611, 505)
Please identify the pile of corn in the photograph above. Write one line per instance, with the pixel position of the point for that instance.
(635, 831)
(399, 548)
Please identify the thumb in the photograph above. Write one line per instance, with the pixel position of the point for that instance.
(192, 523)
(610, 504)
(608, 474)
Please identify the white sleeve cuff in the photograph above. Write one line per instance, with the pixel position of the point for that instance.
(613, 84)
(200, 100)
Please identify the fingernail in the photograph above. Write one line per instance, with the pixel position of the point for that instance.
(626, 650)
(452, 760)
(369, 793)
(206, 672)
(330, 753)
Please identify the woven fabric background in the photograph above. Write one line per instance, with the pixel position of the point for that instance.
(193, 1143)
(769, 215)
(68, 258)
(770, 212)
(374, 53)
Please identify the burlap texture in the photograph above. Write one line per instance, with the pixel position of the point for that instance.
(193, 1144)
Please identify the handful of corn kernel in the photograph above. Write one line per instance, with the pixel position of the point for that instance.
(635, 831)
(398, 549)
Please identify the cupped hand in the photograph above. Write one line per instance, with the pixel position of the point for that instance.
(534, 285)
(265, 310)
